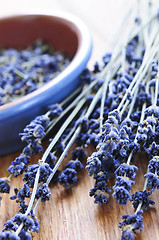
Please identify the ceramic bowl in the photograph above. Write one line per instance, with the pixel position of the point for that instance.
(65, 33)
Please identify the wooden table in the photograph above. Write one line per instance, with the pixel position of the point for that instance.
(72, 214)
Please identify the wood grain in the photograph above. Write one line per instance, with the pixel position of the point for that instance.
(72, 214)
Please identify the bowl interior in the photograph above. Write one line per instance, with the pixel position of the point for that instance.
(21, 31)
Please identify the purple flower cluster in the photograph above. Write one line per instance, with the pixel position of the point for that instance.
(32, 135)
(153, 174)
(130, 224)
(68, 177)
(30, 224)
(4, 185)
(19, 165)
(101, 164)
(44, 193)
(143, 199)
(124, 175)
(29, 176)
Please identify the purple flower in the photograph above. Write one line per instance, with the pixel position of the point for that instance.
(19, 165)
(101, 191)
(152, 150)
(68, 177)
(123, 148)
(74, 164)
(97, 68)
(9, 225)
(142, 197)
(81, 139)
(43, 192)
(25, 235)
(128, 170)
(51, 159)
(28, 222)
(86, 76)
(121, 194)
(8, 235)
(123, 181)
(23, 193)
(152, 110)
(58, 148)
(34, 131)
(83, 122)
(106, 58)
(29, 176)
(93, 139)
(78, 153)
(54, 111)
(93, 166)
(4, 185)
(127, 235)
(152, 181)
(94, 125)
(130, 224)
(100, 196)
(153, 165)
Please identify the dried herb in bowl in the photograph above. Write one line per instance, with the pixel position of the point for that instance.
(24, 70)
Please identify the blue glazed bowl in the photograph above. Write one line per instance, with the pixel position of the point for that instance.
(64, 32)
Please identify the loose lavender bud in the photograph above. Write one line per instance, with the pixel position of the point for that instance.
(4, 185)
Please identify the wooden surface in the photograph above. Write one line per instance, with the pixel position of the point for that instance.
(72, 214)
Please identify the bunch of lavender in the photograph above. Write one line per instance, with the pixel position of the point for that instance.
(23, 71)
(131, 127)
(148, 135)
(115, 112)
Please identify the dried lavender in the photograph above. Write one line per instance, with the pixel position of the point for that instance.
(22, 71)
(117, 113)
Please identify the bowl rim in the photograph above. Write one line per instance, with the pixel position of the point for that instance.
(84, 42)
